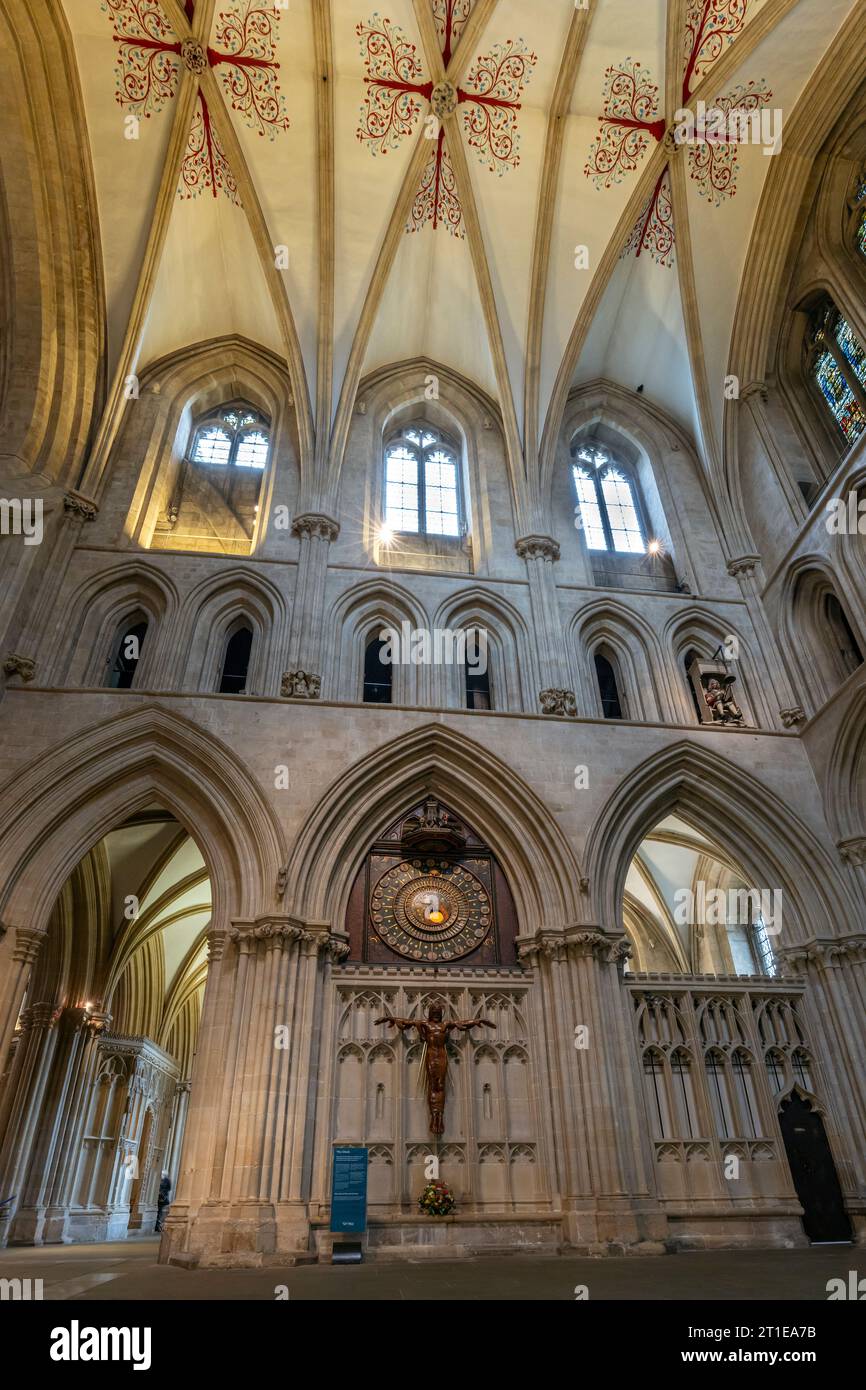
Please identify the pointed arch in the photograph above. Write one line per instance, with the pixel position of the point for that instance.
(62, 804)
(845, 778)
(542, 869)
(643, 666)
(809, 583)
(90, 618)
(213, 607)
(704, 631)
(509, 648)
(354, 619)
(751, 823)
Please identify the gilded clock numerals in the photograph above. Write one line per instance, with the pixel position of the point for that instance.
(429, 909)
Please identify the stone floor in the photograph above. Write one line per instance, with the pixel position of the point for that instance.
(128, 1270)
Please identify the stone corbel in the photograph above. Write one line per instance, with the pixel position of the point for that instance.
(78, 507)
(537, 548)
(317, 524)
(792, 717)
(562, 703)
(743, 564)
(853, 851)
(17, 665)
(300, 685)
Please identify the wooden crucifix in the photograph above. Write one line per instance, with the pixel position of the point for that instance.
(433, 1032)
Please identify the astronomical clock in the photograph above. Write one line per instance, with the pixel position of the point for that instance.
(430, 893)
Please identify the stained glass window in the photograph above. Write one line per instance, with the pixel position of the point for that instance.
(839, 397)
(851, 348)
(422, 484)
(233, 435)
(607, 505)
(837, 363)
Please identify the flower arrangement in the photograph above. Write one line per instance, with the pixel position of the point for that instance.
(437, 1199)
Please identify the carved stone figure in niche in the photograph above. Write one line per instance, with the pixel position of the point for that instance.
(434, 1035)
(720, 699)
(713, 684)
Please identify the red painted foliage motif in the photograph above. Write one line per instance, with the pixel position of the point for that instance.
(436, 200)
(148, 55)
(450, 17)
(654, 230)
(492, 101)
(248, 68)
(397, 94)
(149, 63)
(710, 26)
(204, 164)
(713, 162)
(630, 119)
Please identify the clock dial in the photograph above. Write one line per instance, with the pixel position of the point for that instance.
(430, 910)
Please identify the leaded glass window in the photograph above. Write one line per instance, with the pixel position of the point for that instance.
(235, 435)
(422, 483)
(837, 364)
(607, 504)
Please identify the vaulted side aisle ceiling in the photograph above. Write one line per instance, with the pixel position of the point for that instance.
(351, 187)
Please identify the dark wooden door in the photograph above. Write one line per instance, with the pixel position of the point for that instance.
(814, 1172)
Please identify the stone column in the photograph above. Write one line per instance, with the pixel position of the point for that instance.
(836, 1001)
(62, 1122)
(599, 1131)
(540, 554)
(853, 852)
(177, 1130)
(18, 951)
(315, 532)
(24, 1099)
(38, 617)
(743, 569)
(242, 1198)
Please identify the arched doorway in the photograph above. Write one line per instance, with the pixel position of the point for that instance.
(813, 1171)
(104, 1044)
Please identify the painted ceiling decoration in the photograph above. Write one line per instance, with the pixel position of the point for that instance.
(396, 95)
(149, 61)
(633, 116)
(304, 231)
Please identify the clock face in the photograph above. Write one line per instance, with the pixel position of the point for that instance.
(431, 910)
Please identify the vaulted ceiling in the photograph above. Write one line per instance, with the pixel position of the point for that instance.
(489, 184)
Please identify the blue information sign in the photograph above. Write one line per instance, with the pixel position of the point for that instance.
(349, 1189)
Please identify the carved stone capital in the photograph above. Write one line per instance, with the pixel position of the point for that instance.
(78, 507)
(756, 390)
(793, 716)
(825, 954)
(183, 1088)
(576, 943)
(561, 702)
(300, 685)
(743, 564)
(537, 548)
(853, 851)
(39, 1016)
(17, 665)
(216, 944)
(276, 931)
(194, 56)
(316, 524)
(28, 943)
